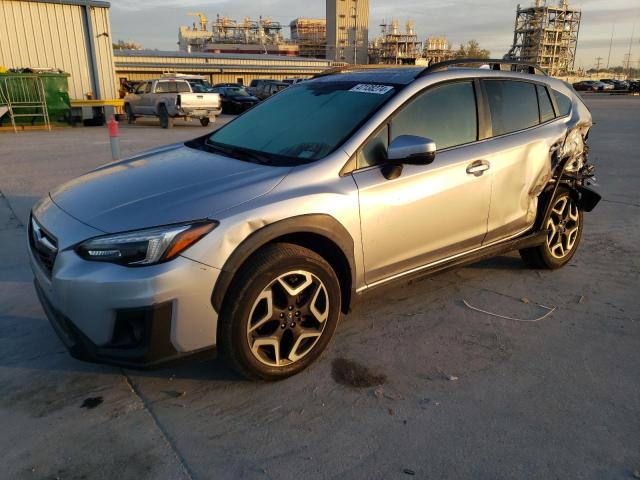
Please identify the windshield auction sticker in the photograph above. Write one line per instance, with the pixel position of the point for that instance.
(370, 88)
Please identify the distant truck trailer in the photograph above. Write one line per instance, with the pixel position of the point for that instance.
(73, 36)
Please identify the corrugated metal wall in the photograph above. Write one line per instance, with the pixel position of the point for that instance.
(50, 35)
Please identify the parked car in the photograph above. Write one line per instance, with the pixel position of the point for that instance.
(615, 84)
(174, 97)
(237, 85)
(293, 81)
(266, 88)
(257, 85)
(236, 100)
(591, 86)
(255, 239)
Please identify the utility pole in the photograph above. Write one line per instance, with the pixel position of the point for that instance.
(613, 27)
(633, 31)
(598, 62)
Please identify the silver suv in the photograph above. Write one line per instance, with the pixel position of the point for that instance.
(253, 240)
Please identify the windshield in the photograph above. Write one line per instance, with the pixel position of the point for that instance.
(236, 92)
(305, 122)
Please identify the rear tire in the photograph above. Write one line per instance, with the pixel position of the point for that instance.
(204, 121)
(280, 312)
(131, 118)
(165, 120)
(565, 231)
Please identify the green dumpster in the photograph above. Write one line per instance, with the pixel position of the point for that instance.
(21, 90)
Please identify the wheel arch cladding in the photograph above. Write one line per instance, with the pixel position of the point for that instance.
(318, 232)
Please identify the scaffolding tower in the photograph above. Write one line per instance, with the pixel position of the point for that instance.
(547, 36)
(437, 49)
(310, 34)
(395, 47)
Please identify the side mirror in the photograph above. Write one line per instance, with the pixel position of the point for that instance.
(408, 149)
(412, 149)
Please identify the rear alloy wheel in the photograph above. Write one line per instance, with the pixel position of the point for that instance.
(564, 227)
(165, 120)
(281, 312)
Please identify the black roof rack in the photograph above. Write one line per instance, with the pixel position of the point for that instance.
(494, 64)
(358, 68)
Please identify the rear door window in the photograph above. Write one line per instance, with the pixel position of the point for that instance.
(513, 105)
(544, 102)
(183, 87)
(162, 87)
(446, 114)
(564, 103)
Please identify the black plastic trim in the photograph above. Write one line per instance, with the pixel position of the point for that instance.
(318, 224)
(529, 240)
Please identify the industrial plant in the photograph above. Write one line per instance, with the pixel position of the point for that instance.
(546, 35)
(225, 35)
(396, 47)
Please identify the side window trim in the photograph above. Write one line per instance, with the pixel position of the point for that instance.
(555, 111)
(353, 161)
(511, 79)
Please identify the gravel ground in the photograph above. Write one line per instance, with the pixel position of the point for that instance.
(414, 383)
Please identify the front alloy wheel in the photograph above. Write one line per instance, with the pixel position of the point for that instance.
(279, 313)
(288, 318)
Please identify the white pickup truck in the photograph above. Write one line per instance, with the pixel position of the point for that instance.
(174, 97)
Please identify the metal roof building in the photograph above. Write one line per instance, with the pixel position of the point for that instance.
(217, 67)
(70, 35)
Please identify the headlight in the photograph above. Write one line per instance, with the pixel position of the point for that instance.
(144, 247)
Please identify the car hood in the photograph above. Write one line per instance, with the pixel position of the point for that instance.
(168, 185)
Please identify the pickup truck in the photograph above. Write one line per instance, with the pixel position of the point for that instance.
(173, 97)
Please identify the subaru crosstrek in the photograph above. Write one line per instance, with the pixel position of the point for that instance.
(253, 240)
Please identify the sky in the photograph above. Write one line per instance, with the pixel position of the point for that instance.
(154, 23)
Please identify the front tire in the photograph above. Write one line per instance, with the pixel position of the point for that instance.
(279, 313)
(564, 224)
(204, 121)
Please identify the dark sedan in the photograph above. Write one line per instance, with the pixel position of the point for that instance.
(236, 99)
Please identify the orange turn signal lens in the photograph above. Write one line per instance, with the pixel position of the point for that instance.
(188, 238)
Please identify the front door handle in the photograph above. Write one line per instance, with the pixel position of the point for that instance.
(478, 167)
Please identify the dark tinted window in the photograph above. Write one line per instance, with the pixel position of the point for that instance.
(446, 114)
(183, 87)
(513, 105)
(374, 152)
(546, 107)
(564, 103)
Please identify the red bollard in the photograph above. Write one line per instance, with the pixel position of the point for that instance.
(114, 137)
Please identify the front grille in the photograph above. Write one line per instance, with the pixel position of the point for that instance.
(43, 245)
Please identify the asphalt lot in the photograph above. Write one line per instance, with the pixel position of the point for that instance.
(464, 394)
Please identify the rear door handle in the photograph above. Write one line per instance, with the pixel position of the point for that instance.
(478, 167)
(200, 96)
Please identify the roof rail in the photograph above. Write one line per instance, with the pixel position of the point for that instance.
(356, 68)
(494, 64)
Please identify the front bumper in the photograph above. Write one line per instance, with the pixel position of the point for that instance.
(135, 317)
(153, 351)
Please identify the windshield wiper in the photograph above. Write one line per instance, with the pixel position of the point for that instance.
(240, 153)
